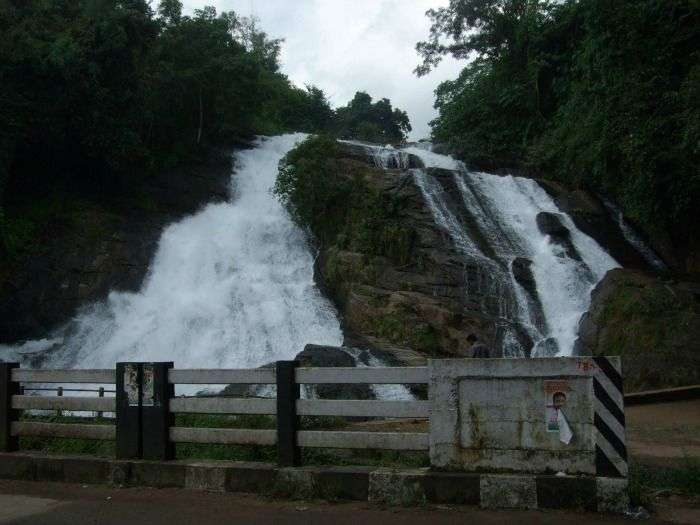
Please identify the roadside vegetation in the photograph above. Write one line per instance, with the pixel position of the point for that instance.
(650, 483)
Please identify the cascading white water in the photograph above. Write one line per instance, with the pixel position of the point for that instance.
(505, 210)
(563, 284)
(230, 287)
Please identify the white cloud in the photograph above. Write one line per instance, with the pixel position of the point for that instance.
(343, 46)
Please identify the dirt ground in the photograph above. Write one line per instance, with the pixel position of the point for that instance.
(32, 503)
(665, 433)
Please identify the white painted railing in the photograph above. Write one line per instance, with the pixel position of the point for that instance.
(218, 405)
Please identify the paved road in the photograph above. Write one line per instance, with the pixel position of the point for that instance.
(71, 504)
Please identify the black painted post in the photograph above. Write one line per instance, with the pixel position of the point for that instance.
(156, 418)
(128, 399)
(287, 421)
(8, 388)
(59, 393)
(100, 393)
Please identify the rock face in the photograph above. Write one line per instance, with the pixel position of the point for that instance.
(413, 305)
(103, 250)
(551, 224)
(592, 218)
(330, 356)
(653, 323)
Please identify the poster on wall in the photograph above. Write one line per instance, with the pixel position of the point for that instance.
(131, 384)
(148, 390)
(555, 395)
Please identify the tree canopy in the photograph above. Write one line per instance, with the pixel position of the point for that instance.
(372, 121)
(97, 94)
(594, 93)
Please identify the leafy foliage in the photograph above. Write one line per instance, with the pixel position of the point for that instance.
(96, 95)
(373, 122)
(337, 204)
(595, 93)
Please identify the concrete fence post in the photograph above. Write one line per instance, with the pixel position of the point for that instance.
(287, 394)
(156, 418)
(128, 401)
(8, 388)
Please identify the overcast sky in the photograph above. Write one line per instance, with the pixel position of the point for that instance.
(343, 46)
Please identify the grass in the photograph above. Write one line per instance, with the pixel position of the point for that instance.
(647, 483)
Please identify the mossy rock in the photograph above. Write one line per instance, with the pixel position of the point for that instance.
(654, 324)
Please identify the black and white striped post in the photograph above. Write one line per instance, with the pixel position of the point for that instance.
(8, 388)
(287, 421)
(609, 419)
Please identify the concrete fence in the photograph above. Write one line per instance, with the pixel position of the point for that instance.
(512, 421)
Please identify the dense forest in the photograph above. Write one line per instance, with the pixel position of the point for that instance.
(95, 95)
(600, 94)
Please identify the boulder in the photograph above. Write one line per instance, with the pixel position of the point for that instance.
(332, 356)
(653, 323)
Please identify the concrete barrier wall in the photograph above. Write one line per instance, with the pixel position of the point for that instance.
(528, 416)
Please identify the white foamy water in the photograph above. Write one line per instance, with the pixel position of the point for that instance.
(229, 287)
(563, 284)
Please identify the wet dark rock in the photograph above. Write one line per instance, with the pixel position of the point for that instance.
(331, 356)
(522, 272)
(480, 351)
(590, 215)
(551, 224)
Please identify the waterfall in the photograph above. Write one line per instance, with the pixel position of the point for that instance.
(229, 287)
(504, 211)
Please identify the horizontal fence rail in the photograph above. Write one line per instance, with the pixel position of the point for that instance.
(63, 376)
(363, 440)
(77, 404)
(351, 375)
(222, 405)
(63, 430)
(362, 408)
(252, 376)
(223, 436)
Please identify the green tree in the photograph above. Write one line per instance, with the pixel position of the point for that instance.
(594, 93)
(375, 122)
